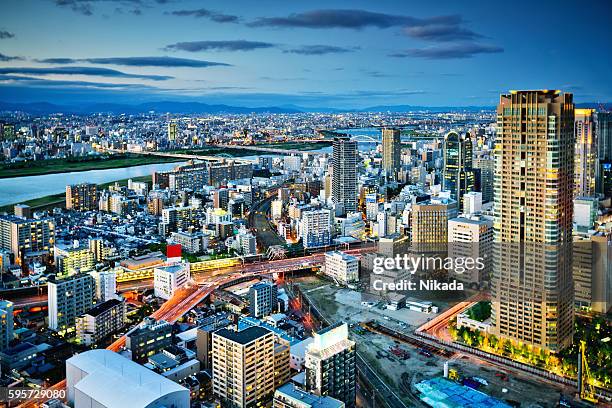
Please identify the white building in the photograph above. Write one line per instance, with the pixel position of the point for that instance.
(298, 354)
(471, 238)
(315, 228)
(472, 202)
(105, 379)
(167, 279)
(341, 267)
(292, 163)
(106, 285)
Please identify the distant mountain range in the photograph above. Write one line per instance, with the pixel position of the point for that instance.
(42, 108)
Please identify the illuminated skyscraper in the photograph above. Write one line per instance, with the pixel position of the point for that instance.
(172, 131)
(344, 175)
(586, 153)
(459, 177)
(532, 274)
(604, 145)
(392, 150)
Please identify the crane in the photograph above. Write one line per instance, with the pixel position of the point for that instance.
(586, 390)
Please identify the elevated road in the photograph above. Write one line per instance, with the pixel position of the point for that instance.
(190, 296)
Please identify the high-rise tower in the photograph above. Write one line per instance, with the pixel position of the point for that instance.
(459, 176)
(586, 153)
(392, 149)
(344, 174)
(532, 289)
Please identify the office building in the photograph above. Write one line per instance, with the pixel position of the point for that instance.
(263, 299)
(592, 263)
(68, 298)
(330, 364)
(101, 321)
(532, 276)
(471, 238)
(392, 151)
(243, 367)
(167, 279)
(291, 396)
(472, 202)
(585, 159)
(82, 197)
(459, 177)
(604, 144)
(344, 175)
(585, 212)
(28, 239)
(341, 267)
(103, 378)
(315, 228)
(429, 220)
(484, 164)
(148, 339)
(6, 324)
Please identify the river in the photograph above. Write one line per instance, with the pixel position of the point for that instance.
(20, 189)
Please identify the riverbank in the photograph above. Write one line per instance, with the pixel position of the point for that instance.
(240, 151)
(59, 200)
(103, 162)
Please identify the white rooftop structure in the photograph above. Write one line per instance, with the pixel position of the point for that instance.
(104, 379)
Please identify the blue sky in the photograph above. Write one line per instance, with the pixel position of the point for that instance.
(341, 54)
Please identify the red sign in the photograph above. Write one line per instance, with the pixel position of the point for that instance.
(173, 251)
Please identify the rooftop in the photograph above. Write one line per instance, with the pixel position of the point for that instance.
(115, 381)
(245, 336)
(292, 392)
(103, 307)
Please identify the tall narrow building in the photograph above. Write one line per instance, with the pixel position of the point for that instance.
(330, 364)
(585, 158)
(344, 175)
(532, 288)
(172, 131)
(392, 150)
(459, 176)
(604, 146)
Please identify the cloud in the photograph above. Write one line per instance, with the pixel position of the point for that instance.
(5, 34)
(82, 7)
(92, 71)
(441, 32)
(138, 61)
(230, 45)
(6, 58)
(351, 19)
(206, 13)
(319, 50)
(86, 7)
(451, 51)
(37, 82)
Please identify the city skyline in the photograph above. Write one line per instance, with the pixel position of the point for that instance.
(314, 55)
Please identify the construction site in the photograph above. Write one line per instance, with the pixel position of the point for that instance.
(423, 374)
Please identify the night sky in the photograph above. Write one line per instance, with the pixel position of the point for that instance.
(338, 54)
